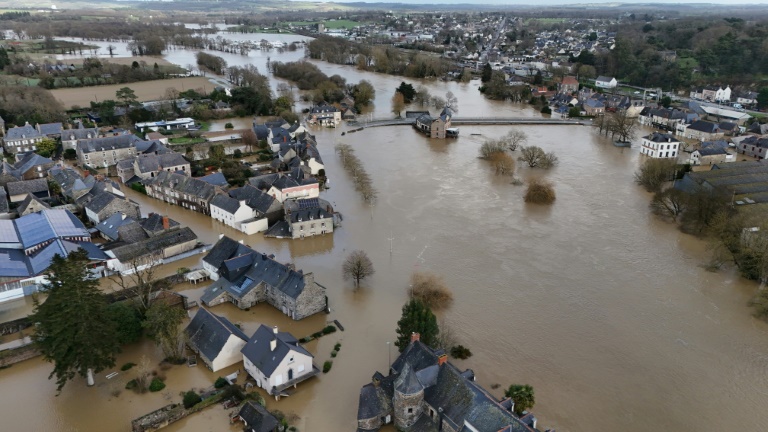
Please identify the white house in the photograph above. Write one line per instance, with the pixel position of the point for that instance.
(276, 360)
(246, 209)
(659, 145)
(215, 339)
(180, 123)
(606, 82)
(723, 94)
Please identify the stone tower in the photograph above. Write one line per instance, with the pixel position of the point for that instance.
(409, 396)
(2, 127)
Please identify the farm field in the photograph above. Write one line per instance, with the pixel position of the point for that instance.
(145, 90)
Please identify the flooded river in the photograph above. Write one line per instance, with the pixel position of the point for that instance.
(604, 309)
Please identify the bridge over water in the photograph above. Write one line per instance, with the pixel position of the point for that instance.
(460, 121)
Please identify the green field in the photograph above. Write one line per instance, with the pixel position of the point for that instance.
(331, 25)
(687, 62)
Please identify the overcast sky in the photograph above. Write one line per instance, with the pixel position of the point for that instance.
(548, 2)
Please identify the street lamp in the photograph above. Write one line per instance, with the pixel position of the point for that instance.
(389, 357)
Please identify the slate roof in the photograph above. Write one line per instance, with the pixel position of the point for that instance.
(594, 103)
(259, 352)
(216, 179)
(257, 418)
(35, 186)
(660, 137)
(108, 143)
(131, 232)
(154, 223)
(704, 126)
(183, 184)
(226, 203)
(602, 78)
(225, 249)
(30, 161)
(101, 201)
(27, 201)
(208, 333)
(254, 198)
(711, 151)
(79, 133)
(157, 162)
(305, 215)
(151, 147)
(110, 225)
(22, 132)
(50, 128)
(3, 202)
(156, 244)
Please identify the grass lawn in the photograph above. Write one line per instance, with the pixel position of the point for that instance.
(687, 62)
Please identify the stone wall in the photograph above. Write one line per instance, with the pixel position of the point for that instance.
(402, 404)
(311, 300)
(16, 355)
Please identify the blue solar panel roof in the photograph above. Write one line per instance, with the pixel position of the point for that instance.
(13, 263)
(36, 228)
(8, 232)
(308, 203)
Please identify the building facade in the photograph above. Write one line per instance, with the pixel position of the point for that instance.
(659, 145)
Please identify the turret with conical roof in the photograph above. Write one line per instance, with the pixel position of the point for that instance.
(409, 396)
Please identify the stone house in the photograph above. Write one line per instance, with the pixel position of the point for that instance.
(246, 209)
(224, 249)
(256, 418)
(422, 391)
(276, 360)
(252, 277)
(106, 151)
(146, 166)
(129, 256)
(325, 115)
(215, 339)
(33, 166)
(701, 130)
(105, 204)
(22, 139)
(31, 204)
(569, 84)
(709, 156)
(434, 127)
(50, 130)
(184, 191)
(659, 145)
(754, 146)
(593, 107)
(282, 186)
(17, 191)
(308, 217)
(70, 137)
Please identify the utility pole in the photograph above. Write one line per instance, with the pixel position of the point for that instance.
(390, 238)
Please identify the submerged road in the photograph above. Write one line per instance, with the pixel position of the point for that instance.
(458, 121)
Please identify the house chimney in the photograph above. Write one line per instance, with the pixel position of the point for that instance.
(166, 223)
(415, 337)
(273, 344)
(442, 359)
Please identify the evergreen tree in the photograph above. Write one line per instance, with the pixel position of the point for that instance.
(416, 318)
(74, 330)
(522, 395)
(487, 73)
(407, 91)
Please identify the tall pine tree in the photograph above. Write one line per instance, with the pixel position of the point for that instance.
(416, 318)
(74, 330)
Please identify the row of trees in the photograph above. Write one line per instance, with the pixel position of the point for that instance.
(80, 332)
(323, 88)
(355, 168)
(211, 62)
(19, 104)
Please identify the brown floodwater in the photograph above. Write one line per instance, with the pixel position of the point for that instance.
(600, 306)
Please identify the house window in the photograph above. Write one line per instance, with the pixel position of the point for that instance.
(410, 410)
(290, 360)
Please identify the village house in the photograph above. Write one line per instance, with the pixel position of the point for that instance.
(709, 156)
(569, 84)
(606, 82)
(324, 115)
(665, 118)
(22, 139)
(436, 127)
(184, 191)
(106, 151)
(660, 145)
(18, 190)
(246, 209)
(276, 360)
(304, 218)
(283, 186)
(301, 151)
(143, 251)
(29, 243)
(31, 204)
(593, 107)
(423, 392)
(105, 204)
(70, 137)
(32, 166)
(145, 166)
(109, 228)
(754, 146)
(156, 136)
(215, 339)
(50, 130)
(246, 277)
(256, 418)
(701, 130)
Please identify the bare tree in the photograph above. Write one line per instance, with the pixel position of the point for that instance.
(491, 147)
(536, 157)
(357, 267)
(249, 139)
(622, 125)
(504, 163)
(540, 192)
(143, 374)
(670, 203)
(654, 173)
(514, 139)
(398, 104)
(140, 281)
(451, 101)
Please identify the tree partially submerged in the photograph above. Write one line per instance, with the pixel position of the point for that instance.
(504, 163)
(522, 395)
(162, 324)
(417, 318)
(357, 267)
(74, 330)
(536, 157)
(141, 284)
(431, 290)
(669, 203)
(655, 172)
(540, 192)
